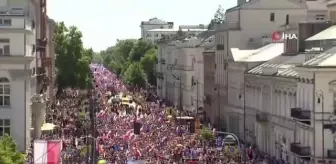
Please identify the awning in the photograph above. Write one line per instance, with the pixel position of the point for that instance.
(327, 34)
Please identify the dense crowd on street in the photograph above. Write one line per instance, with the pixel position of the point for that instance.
(161, 138)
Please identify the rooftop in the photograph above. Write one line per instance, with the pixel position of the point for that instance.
(325, 59)
(281, 66)
(327, 34)
(175, 30)
(264, 53)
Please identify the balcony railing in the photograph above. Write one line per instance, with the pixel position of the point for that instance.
(299, 150)
(262, 117)
(183, 67)
(331, 154)
(301, 115)
(46, 61)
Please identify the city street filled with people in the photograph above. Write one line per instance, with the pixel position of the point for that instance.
(108, 117)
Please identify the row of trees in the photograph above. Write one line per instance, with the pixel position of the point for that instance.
(72, 60)
(133, 60)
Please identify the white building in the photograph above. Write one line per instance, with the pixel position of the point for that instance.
(18, 67)
(156, 34)
(180, 69)
(243, 31)
(154, 23)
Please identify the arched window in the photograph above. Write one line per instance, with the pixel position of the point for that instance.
(4, 92)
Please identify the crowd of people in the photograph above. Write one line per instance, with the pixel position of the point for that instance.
(160, 139)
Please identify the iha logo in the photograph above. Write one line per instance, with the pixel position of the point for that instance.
(279, 36)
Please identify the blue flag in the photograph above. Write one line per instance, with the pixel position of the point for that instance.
(219, 141)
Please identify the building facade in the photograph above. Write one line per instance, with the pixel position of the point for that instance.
(154, 23)
(18, 68)
(180, 71)
(209, 82)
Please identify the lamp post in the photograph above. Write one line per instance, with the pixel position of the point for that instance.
(242, 95)
(320, 100)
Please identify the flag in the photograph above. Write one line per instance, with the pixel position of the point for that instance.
(138, 153)
(47, 151)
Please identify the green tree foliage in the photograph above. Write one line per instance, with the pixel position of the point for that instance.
(219, 18)
(72, 60)
(128, 54)
(207, 134)
(134, 75)
(9, 153)
(148, 64)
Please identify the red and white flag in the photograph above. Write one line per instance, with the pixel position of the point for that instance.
(46, 152)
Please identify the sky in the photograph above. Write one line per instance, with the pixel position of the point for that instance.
(102, 22)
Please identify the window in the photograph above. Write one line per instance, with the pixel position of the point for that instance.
(33, 24)
(4, 127)
(220, 47)
(272, 17)
(6, 50)
(156, 35)
(320, 17)
(287, 19)
(7, 22)
(4, 92)
(149, 35)
(191, 100)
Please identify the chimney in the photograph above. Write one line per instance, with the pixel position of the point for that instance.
(309, 29)
(240, 2)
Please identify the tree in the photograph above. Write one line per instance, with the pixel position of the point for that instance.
(219, 18)
(8, 151)
(131, 52)
(134, 75)
(139, 49)
(148, 64)
(72, 61)
(207, 134)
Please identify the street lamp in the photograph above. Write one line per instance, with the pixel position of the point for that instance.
(320, 100)
(242, 93)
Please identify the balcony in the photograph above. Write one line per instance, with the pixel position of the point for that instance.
(15, 59)
(183, 67)
(160, 75)
(43, 80)
(40, 71)
(46, 61)
(163, 61)
(301, 115)
(41, 44)
(331, 154)
(303, 152)
(262, 117)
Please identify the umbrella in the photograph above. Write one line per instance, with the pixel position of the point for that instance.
(170, 116)
(47, 127)
(102, 161)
